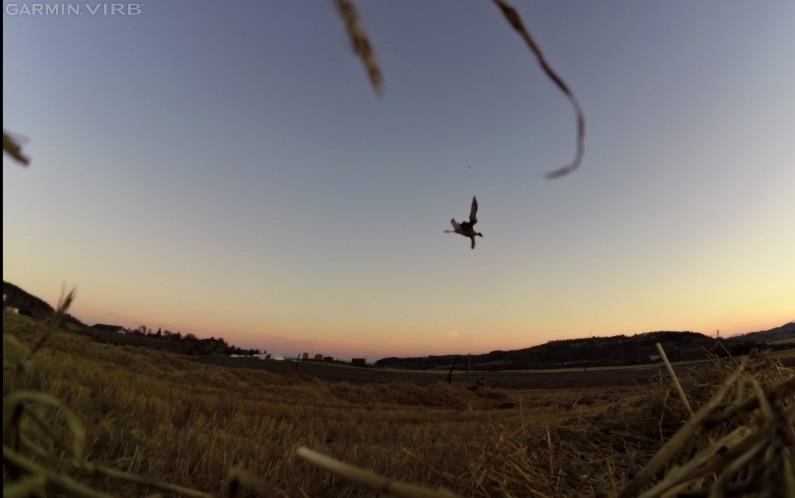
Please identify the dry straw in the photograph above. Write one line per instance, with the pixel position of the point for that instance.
(360, 42)
(13, 148)
(515, 20)
(370, 479)
(739, 442)
(32, 470)
(678, 386)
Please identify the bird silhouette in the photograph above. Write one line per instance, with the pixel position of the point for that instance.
(467, 228)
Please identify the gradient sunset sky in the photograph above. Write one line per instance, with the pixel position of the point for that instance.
(224, 168)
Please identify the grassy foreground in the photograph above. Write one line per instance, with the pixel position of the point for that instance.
(179, 421)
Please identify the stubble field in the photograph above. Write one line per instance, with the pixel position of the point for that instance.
(185, 422)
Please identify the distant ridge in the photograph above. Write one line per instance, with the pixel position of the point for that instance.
(25, 302)
(606, 351)
(174, 342)
(32, 306)
(571, 353)
(780, 334)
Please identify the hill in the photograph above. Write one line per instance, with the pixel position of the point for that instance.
(587, 352)
(32, 306)
(164, 340)
(780, 334)
(26, 303)
(603, 351)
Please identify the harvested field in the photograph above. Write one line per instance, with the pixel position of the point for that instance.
(579, 378)
(185, 423)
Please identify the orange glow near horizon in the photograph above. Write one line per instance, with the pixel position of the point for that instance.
(503, 321)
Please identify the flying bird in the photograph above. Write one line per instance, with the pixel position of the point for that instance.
(467, 228)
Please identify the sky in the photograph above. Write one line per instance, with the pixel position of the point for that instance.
(225, 169)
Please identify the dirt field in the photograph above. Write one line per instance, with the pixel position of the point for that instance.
(522, 379)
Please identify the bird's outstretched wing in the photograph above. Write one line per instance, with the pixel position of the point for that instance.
(473, 213)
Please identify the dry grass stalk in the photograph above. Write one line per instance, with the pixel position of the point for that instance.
(52, 480)
(730, 451)
(57, 471)
(13, 148)
(672, 447)
(370, 479)
(515, 20)
(28, 486)
(741, 440)
(675, 379)
(360, 42)
(64, 303)
(551, 454)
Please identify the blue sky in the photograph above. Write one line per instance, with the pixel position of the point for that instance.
(225, 168)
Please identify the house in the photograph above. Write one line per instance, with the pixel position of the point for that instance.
(11, 309)
(259, 356)
(109, 328)
(328, 358)
(359, 362)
